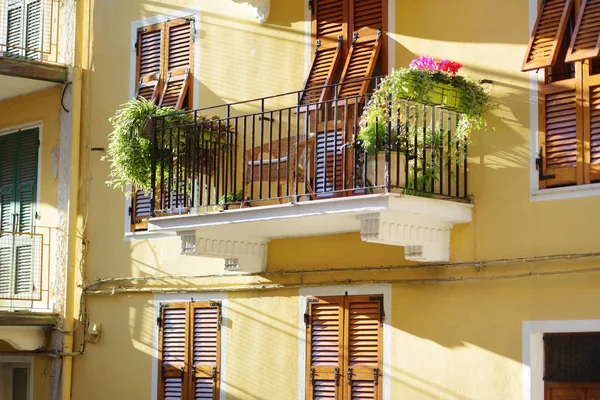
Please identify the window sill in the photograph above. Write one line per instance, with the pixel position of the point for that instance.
(563, 193)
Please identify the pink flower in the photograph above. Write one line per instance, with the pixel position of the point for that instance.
(423, 62)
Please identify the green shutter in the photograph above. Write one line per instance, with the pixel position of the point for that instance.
(18, 188)
(14, 29)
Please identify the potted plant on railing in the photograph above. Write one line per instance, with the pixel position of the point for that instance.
(130, 145)
(398, 102)
(424, 82)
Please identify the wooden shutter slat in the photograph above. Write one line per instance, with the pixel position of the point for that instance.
(206, 354)
(360, 65)
(173, 351)
(547, 34)
(366, 16)
(586, 37)
(325, 347)
(328, 20)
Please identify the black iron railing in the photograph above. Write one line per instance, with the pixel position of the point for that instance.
(278, 152)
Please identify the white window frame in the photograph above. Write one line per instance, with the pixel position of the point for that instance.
(188, 297)
(21, 362)
(533, 350)
(383, 289)
(135, 25)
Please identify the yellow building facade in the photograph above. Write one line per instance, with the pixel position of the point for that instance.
(465, 305)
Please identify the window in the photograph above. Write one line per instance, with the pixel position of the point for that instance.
(164, 63)
(189, 350)
(572, 366)
(25, 22)
(565, 47)
(344, 347)
(15, 380)
(18, 192)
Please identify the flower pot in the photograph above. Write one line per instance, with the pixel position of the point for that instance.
(377, 163)
(443, 95)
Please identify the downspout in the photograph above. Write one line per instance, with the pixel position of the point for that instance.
(72, 207)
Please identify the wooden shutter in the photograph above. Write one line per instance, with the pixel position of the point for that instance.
(14, 29)
(329, 163)
(360, 64)
(173, 351)
(206, 354)
(8, 162)
(140, 210)
(547, 34)
(329, 20)
(565, 393)
(324, 351)
(33, 29)
(325, 62)
(363, 347)
(178, 62)
(560, 134)
(149, 50)
(366, 16)
(586, 37)
(592, 119)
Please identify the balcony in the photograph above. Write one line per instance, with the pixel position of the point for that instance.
(25, 299)
(31, 57)
(230, 184)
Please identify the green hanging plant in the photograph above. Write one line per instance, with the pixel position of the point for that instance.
(130, 146)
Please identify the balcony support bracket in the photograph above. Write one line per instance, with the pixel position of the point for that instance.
(249, 253)
(424, 239)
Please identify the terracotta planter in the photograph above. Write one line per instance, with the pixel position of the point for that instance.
(380, 168)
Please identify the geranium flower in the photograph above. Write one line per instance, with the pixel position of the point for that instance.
(423, 62)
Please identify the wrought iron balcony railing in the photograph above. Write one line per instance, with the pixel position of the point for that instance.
(279, 152)
(29, 29)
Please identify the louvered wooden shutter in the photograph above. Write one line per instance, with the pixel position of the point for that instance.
(206, 354)
(14, 30)
(8, 160)
(560, 131)
(325, 62)
(140, 210)
(363, 347)
(324, 351)
(547, 34)
(586, 37)
(593, 127)
(566, 393)
(178, 45)
(360, 64)
(173, 351)
(33, 29)
(366, 16)
(149, 51)
(329, 163)
(329, 28)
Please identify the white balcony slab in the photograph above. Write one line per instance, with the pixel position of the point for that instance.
(421, 225)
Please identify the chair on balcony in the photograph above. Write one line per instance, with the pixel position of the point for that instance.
(280, 161)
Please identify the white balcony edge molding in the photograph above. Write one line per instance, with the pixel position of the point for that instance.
(24, 338)
(262, 9)
(421, 225)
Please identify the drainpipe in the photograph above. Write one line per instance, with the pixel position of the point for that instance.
(72, 207)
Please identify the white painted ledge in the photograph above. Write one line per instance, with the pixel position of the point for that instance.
(564, 193)
(421, 225)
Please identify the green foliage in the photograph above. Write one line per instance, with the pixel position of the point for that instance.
(232, 197)
(130, 148)
(388, 105)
